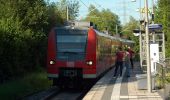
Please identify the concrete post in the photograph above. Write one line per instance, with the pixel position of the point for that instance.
(147, 48)
(140, 35)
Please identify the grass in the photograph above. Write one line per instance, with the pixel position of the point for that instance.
(17, 89)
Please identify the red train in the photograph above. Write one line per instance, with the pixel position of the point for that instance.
(78, 52)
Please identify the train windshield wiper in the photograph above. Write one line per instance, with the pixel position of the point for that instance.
(69, 52)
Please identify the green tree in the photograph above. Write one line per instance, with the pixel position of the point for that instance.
(111, 20)
(127, 32)
(104, 19)
(94, 16)
(73, 8)
(23, 24)
(162, 16)
(54, 15)
(128, 28)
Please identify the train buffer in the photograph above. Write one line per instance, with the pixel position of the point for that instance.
(120, 88)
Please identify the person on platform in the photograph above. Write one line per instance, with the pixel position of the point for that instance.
(127, 62)
(119, 61)
(131, 53)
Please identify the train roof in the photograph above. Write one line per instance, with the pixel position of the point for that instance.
(81, 25)
(126, 40)
(102, 34)
(114, 38)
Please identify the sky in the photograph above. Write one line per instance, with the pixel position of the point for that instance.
(116, 6)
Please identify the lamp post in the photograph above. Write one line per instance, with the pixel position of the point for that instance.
(147, 48)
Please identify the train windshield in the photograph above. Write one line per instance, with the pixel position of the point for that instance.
(71, 44)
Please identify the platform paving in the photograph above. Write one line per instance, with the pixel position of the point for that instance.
(120, 88)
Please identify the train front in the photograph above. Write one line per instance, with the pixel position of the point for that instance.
(66, 55)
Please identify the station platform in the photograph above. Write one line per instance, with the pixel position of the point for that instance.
(120, 88)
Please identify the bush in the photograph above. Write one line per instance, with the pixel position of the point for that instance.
(17, 89)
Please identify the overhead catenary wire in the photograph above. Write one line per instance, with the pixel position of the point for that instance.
(84, 3)
(86, 6)
(98, 4)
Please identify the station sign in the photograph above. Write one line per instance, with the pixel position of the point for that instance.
(155, 27)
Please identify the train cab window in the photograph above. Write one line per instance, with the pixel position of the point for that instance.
(71, 44)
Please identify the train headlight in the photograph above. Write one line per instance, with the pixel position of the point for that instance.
(89, 62)
(52, 62)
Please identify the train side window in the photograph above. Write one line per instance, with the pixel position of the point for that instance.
(113, 52)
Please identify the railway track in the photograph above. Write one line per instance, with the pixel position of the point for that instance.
(55, 93)
(67, 95)
(70, 93)
(42, 95)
